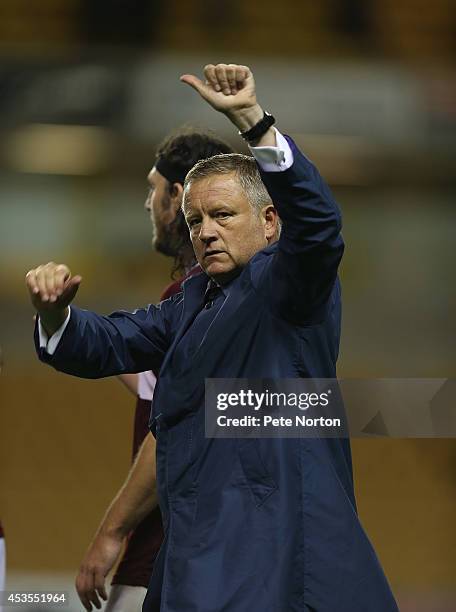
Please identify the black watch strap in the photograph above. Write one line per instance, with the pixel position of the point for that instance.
(259, 128)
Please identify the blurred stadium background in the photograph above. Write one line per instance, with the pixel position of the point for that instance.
(87, 90)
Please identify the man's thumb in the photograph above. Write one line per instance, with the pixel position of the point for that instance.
(70, 289)
(194, 82)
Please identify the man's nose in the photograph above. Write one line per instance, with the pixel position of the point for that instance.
(147, 204)
(208, 230)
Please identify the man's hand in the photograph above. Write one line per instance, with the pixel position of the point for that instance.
(135, 500)
(96, 565)
(230, 89)
(52, 289)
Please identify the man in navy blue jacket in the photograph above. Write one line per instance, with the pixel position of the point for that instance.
(267, 525)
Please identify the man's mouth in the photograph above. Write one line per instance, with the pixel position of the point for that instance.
(212, 252)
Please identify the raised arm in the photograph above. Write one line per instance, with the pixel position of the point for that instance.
(303, 272)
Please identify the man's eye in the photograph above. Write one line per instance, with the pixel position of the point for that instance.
(222, 215)
(193, 222)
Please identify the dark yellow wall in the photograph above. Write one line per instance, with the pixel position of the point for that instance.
(65, 448)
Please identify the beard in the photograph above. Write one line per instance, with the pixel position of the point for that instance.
(164, 243)
(171, 239)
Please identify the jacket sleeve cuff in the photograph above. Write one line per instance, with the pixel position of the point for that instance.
(274, 159)
(50, 344)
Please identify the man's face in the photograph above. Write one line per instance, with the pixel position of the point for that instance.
(225, 230)
(159, 204)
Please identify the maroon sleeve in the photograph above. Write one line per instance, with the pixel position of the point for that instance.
(171, 290)
(144, 542)
(137, 563)
(141, 424)
(176, 287)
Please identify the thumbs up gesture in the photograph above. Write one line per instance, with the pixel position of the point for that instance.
(229, 89)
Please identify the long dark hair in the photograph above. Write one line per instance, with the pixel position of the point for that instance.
(182, 149)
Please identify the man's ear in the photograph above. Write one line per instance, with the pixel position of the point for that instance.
(271, 223)
(176, 196)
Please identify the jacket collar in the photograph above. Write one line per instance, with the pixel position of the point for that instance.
(194, 290)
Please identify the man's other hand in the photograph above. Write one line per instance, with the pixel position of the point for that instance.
(52, 289)
(96, 565)
(230, 89)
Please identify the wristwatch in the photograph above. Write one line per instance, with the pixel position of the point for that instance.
(259, 129)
